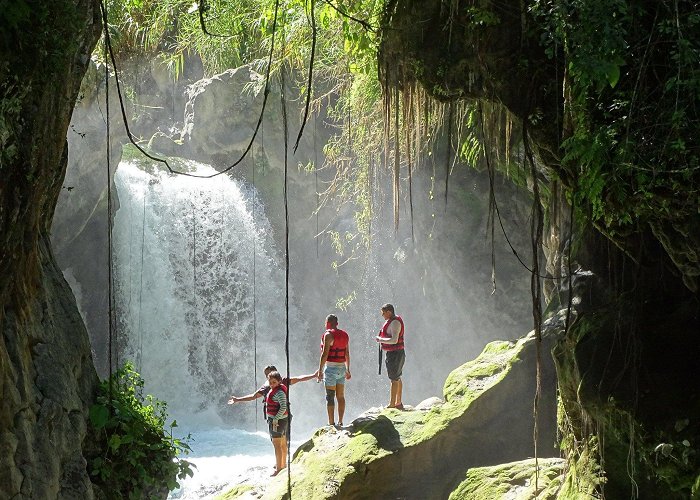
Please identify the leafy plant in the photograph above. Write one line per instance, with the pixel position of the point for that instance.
(672, 457)
(633, 80)
(138, 456)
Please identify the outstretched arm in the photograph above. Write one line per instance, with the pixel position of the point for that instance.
(240, 399)
(302, 378)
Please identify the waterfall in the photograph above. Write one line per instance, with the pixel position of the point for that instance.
(198, 288)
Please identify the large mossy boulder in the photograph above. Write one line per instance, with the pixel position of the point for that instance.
(544, 479)
(515, 481)
(486, 418)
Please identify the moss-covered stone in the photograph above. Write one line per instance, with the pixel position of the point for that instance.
(584, 476)
(515, 481)
(237, 491)
(485, 419)
(557, 479)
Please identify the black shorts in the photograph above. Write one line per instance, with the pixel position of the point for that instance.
(394, 363)
(281, 428)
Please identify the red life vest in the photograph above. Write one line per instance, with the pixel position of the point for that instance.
(336, 354)
(265, 390)
(384, 334)
(272, 406)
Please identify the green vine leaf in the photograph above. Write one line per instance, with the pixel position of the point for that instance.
(99, 415)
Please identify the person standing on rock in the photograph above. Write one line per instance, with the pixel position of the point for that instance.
(334, 367)
(264, 391)
(276, 405)
(390, 339)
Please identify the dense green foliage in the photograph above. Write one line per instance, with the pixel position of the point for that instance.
(241, 32)
(633, 77)
(668, 454)
(138, 455)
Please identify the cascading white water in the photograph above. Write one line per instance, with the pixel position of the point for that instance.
(198, 288)
(199, 292)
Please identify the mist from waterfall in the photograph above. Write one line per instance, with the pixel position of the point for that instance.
(199, 290)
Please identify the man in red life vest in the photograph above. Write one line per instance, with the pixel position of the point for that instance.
(390, 339)
(334, 367)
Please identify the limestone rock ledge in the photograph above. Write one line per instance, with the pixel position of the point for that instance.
(424, 452)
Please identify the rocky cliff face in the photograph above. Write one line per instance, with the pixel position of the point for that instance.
(48, 385)
(636, 290)
(47, 379)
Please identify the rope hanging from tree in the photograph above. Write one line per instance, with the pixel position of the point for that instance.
(194, 265)
(110, 311)
(255, 321)
(143, 244)
(285, 128)
(316, 180)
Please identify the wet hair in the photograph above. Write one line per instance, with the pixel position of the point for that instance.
(276, 375)
(332, 319)
(388, 307)
(270, 368)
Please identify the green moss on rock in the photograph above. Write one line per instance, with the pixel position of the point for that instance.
(426, 450)
(515, 481)
(236, 492)
(584, 476)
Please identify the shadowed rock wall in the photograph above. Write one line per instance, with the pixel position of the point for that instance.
(47, 380)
